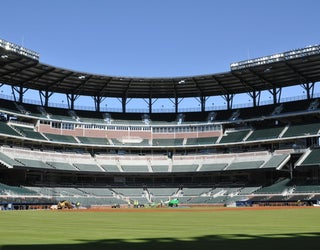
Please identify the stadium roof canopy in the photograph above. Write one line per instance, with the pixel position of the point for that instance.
(295, 67)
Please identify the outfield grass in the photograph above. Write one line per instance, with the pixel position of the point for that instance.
(181, 228)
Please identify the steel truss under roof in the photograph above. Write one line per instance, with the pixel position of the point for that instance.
(24, 72)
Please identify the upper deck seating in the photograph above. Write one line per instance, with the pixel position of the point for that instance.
(264, 134)
(6, 129)
(236, 136)
(9, 106)
(30, 133)
(252, 112)
(89, 116)
(60, 114)
(33, 110)
(296, 106)
(302, 130)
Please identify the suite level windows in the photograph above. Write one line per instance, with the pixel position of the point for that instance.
(93, 126)
(155, 129)
(67, 126)
(186, 129)
(55, 125)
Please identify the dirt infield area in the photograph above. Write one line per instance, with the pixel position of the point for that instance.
(185, 209)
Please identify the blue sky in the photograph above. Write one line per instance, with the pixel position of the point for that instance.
(147, 38)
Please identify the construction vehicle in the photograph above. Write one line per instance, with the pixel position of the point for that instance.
(173, 203)
(65, 205)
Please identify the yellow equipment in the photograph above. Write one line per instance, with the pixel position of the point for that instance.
(65, 205)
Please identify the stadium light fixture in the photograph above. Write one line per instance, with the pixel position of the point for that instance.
(19, 49)
(292, 54)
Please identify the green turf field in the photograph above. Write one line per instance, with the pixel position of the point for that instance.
(177, 229)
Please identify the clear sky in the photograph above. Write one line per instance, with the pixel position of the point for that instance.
(148, 38)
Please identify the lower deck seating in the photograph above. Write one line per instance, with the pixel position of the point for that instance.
(276, 188)
(90, 196)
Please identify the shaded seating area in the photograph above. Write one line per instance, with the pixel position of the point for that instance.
(60, 114)
(307, 189)
(276, 188)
